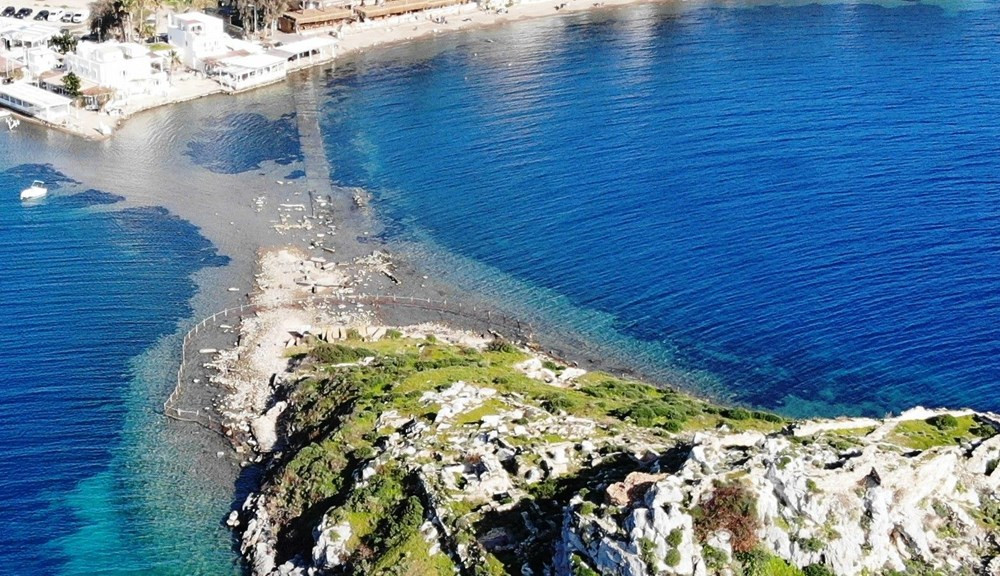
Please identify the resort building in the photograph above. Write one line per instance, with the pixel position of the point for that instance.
(36, 102)
(237, 73)
(197, 38)
(313, 14)
(40, 60)
(19, 37)
(127, 68)
(398, 7)
(299, 21)
(306, 52)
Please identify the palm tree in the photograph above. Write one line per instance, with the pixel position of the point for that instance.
(71, 82)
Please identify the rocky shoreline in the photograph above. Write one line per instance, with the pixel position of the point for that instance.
(512, 473)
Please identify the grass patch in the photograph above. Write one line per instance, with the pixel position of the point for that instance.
(924, 434)
(759, 562)
(489, 407)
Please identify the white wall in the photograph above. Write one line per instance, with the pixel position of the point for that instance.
(196, 37)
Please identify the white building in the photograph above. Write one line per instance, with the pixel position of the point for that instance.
(19, 37)
(40, 59)
(196, 37)
(128, 68)
(34, 101)
(306, 52)
(248, 71)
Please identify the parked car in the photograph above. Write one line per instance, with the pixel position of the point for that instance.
(42, 15)
(8, 11)
(67, 17)
(79, 17)
(55, 15)
(23, 13)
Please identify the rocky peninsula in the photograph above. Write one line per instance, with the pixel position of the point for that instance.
(419, 448)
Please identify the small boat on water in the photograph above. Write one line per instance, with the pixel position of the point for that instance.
(36, 190)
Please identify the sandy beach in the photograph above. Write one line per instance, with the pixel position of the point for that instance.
(360, 36)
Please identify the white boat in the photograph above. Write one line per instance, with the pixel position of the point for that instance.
(36, 190)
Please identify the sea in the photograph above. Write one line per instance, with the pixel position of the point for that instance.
(792, 206)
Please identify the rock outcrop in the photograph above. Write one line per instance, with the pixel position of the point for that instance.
(452, 454)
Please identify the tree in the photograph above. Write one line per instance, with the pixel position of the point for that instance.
(111, 18)
(259, 15)
(71, 82)
(64, 42)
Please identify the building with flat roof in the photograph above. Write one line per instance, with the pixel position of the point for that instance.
(306, 52)
(127, 68)
(19, 37)
(197, 37)
(28, 99)
(238, 73)
(299, 21)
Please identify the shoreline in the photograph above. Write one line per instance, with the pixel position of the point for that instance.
(263, 372)
(352, 39)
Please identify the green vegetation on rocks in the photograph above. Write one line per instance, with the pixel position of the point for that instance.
(416, 456)
(942, 430)
(333, 432)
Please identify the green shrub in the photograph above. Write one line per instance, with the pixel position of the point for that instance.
(580, 567)
(673, 557)
(943, 422)
(672, 426)
(715, 559)
(501, 345)
(675, 537)
(331, 353)
(983, 430)
(647, 551)
(736, 414)
(650, 413)
(393, 334)
(817, 570)
(758, 562)
(811, 544)
(558, 403)
(768, 417)
(550, 365)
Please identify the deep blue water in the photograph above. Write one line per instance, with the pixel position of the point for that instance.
(86, 286)
(794, 206)
(798, 205)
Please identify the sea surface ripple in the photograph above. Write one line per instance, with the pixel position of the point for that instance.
(794, 206)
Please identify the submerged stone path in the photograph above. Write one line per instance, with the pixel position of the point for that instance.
(317, 166)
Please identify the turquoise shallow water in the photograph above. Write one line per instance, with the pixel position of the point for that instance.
(792, 206)
(87, 287)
